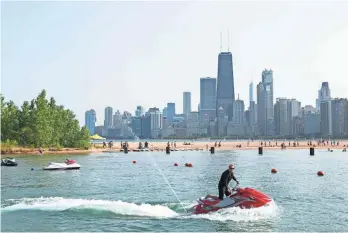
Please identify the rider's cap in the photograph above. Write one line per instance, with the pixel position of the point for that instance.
(231, 166)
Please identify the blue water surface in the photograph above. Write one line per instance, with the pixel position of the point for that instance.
(110, 193)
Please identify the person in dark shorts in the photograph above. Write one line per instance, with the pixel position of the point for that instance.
(225, 179)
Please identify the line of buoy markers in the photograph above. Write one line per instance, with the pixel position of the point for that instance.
(260, 150)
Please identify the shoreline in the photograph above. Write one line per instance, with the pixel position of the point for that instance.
(179, 146)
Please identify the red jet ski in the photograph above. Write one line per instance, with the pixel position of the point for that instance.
(244, 198)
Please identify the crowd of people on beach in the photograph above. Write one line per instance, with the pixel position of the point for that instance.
(283, 144)
(228, 145)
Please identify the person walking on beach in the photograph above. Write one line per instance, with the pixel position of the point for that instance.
(225, 179)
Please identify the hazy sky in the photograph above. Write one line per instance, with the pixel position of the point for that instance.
(89, 55)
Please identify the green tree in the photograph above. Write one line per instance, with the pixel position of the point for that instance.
(9, 121)
(83, 141)
(41, 123)
(26, 125)
(43, 127)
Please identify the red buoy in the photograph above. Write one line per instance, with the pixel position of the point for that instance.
(134, 161)
(320, 173)
(190, 164)
(186, 164)
(274, 170)
(176, 164)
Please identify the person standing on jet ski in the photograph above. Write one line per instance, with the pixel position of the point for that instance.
(226, 177)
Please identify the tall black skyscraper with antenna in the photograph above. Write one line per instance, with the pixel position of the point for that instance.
(225, 83)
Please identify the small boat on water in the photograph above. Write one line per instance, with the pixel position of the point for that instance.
(68, 165)
(9, 162)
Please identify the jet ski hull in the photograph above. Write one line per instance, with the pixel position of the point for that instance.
(56, 168)
(9, 162)
(62, 166)
(246, 198)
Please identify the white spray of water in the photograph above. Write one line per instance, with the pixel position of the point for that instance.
(237, 214)
(131, 209)
(61, 204)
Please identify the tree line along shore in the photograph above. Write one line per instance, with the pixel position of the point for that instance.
(40, 123)
(42, 126)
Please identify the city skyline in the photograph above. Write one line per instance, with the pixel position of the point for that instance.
(88, 67)
(285, 118)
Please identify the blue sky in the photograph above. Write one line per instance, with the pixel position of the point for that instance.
(89, 55)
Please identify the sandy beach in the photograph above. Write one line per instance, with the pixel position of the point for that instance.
(195, 145)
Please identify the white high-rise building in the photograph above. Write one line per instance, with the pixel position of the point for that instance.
(265, 108)
(285, 111)
(251, 92)
(156, 122)
(187, 103)
(238, 112)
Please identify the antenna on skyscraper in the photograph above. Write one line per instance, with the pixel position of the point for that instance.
(220, 41)
(228, 40)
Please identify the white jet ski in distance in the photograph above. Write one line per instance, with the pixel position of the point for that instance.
(68, 165)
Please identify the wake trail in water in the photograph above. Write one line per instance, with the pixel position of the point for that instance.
(62, 204)
(164, 210)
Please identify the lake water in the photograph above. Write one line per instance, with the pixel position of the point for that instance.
(110, 193)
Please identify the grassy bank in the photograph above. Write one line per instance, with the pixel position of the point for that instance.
(12, 149)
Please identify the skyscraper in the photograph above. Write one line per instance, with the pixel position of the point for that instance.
(136, 125)
(90, 119)
(326, 118)
(139, 112)
(207, 106)
(164, 112)
(170, 111)
(251, 90)
(187, 103)
(281, 117)
(311, 123)
(339, 114)
(156, 122)
(252, 117)
(146, 126)
(108, 118)
(324, 94)
(238, 112)
(117, 120)
(265, 109)
(225, 84)
(294, 110)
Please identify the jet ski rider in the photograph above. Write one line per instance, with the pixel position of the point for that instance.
(226, 177)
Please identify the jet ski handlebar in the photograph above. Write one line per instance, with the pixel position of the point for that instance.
(235, 188)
